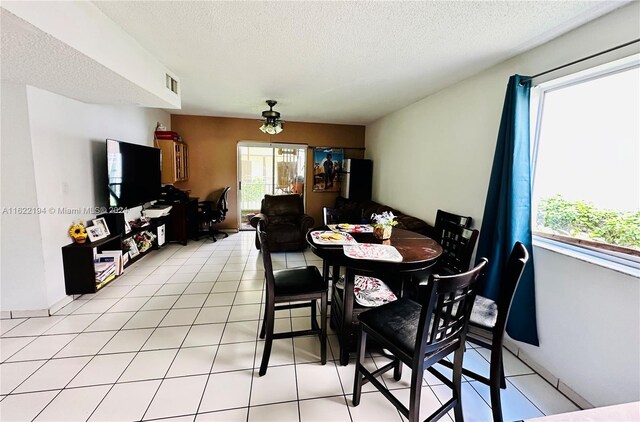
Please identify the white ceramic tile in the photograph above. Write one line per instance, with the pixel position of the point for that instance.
(128, 304)
(204, 335)
(389, 381)
(140, 270)
(234, 356)
(73, 324)
(177, 396)
(180, 317)
(43, 347)
(236, 332)
(549, 400)
(281, 352)
(145, 319)
(429, 402)
(325, 409)
(24, 407)
(13, 374)
(282, 412)
(149, 365)
(250, 285)
(126, 402)
(515, 406)
(127, 341)
(96, 306)
(230, 276)
(277, 385)
(166, 338)
(69, 308)
(9, 346)
(220, 299)
(206, 276)
(315, 380)
(347, 375)
(307, 349)
(373, 407)
(193, 361)
(175, 261)
(214, 314)
(244, 312)
(246, 298)
(236, 415)
(103, 369)
(110, 321)
(171, 289)
(130, 280)
(33, 326)
(114, 292)
(189, 269)
(233, 267)
(160, 302)
(73, 405)
(512, 365)
(474, 407)
(195, 260)
(54, 374)
(86, 344)
(190, 301)
(199, 288)
(165, 269)
(144, 290)
(212, 268)
(156, 279)
(227, 390)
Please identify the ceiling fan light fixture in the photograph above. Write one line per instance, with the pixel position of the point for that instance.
(272, 124)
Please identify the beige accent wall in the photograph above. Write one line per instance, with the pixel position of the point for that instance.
(213, 162)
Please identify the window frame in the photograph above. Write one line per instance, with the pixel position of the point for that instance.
(619, 258)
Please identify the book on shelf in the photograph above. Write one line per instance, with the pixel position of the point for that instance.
(105, 281)
(112, 256)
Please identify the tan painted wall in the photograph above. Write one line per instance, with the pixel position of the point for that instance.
(213, 160)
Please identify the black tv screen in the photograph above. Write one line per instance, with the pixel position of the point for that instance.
(133, 172)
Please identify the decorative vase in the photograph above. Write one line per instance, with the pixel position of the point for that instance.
(382, 232)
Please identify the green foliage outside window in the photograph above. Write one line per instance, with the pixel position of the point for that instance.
(583, 220)
(253, 191)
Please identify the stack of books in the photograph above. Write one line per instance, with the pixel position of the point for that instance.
(108, 265)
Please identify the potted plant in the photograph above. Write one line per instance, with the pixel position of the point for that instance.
(383, 224)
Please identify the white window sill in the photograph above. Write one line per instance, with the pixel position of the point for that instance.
(630, 266)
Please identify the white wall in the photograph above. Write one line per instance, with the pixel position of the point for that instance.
(68, 171)
(438, 152)
(21, 260)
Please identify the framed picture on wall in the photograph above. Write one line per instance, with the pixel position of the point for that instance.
(327, 163)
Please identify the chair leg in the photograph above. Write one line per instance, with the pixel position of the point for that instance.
(397, 370)
(264, 321)
(496, 379)
(323, 328)
(357, 382)
(415, 392)
(314, 313)
(457, 383)
(269, 321)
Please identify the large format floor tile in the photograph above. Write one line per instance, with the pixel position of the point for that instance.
(175, 339)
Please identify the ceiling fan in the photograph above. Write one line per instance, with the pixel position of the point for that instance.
(272, 123)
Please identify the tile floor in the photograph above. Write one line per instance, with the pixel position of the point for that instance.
(175, 339)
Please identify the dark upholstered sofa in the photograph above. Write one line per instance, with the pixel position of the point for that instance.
(360, 211)
(286, 224)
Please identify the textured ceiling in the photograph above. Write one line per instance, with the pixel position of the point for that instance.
(339, 62)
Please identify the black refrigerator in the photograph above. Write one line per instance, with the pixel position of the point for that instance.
(356, 178)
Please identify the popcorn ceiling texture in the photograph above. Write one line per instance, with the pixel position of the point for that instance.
(327, 62)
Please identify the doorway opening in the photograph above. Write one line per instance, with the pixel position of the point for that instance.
(267, 169)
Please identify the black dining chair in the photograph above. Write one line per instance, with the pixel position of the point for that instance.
(303, 284)
(487, 326)
(458, 244)
(421, 335)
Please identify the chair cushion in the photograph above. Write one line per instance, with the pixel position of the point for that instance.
(396, 321)
(293, 281)
(484, 312)
(370, 291)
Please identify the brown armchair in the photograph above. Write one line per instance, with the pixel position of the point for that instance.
(285, 222)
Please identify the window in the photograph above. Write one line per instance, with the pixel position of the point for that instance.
(586, 159)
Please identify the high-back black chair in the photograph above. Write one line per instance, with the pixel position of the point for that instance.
(458, 244)
(331, 216)
(210, 214)
(460, 220)
(420, 335)
(488, 323)
(291, 285)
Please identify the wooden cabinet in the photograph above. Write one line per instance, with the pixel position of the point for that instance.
(182, 221)
(175, 160)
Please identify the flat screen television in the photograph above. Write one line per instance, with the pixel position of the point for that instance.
(133, 172)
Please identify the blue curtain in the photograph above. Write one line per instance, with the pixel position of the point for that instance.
(507, 212)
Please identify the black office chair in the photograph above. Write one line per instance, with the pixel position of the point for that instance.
(303, 284)
(420, 335)
(488, 323)
(211, 214)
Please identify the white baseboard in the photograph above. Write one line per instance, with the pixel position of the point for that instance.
(37, 313)
(30, 313)
(5, 314)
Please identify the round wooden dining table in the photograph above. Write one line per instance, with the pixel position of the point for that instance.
(418, 252)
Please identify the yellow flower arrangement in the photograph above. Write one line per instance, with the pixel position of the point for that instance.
(78, 232)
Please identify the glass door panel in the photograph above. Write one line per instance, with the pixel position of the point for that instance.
(267, 169)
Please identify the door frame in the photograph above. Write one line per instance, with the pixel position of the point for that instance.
(271, 145)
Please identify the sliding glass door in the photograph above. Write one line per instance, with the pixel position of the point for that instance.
(273, 169)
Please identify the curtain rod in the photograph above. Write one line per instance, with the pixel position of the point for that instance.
(527, 79)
